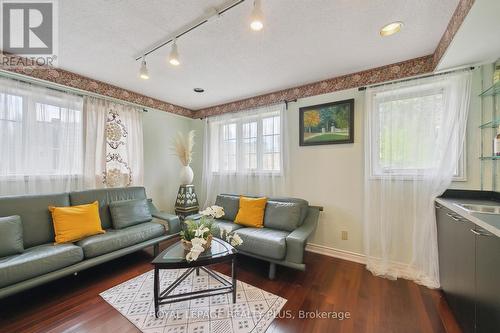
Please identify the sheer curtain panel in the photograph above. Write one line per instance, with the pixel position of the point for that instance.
(52, 141)
(245, 153)
(414, 143)
(41, 139)
(114, 144)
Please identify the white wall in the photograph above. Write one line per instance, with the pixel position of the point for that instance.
(331, 176)
(161, 166)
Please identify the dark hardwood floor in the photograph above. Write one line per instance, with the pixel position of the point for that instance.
(73, 304)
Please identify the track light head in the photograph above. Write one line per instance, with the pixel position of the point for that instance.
(143, 71)
(257, 16)
(173, 58)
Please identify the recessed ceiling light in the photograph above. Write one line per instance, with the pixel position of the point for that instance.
(199, 90)
(391, 28)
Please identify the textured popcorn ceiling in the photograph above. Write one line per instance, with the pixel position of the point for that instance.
(303, 41)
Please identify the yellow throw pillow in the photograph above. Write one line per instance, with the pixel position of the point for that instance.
(76, 222)
(251, 212)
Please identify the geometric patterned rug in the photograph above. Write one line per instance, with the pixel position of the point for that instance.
(254, 310)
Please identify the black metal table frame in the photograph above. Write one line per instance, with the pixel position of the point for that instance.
(165, 296)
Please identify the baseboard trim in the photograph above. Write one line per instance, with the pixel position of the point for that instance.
(336, 253)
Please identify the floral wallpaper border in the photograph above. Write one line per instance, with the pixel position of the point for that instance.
(456, 21)
(408, 68)
(395, 71)
(69, 79)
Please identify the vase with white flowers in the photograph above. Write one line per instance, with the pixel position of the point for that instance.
(183, 147)
(197, 235)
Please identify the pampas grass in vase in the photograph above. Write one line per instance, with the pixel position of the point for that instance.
(183, 147)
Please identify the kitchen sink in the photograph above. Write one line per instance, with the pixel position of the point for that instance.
(483, 209)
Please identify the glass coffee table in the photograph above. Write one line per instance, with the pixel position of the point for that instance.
(174, 257)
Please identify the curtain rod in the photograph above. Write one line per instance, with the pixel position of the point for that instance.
(417, 78)
(284, 101)
(66, 89)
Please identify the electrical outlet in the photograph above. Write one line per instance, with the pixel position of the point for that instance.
(344, 235)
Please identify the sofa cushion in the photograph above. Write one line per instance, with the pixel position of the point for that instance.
(11, 236)
(126, 213)
(36, 261)
(35, 215)
(264, 242)
(303, 204)
(113, 240)
(231, 205)
(217, 224)
(105, 197)
(282, 215)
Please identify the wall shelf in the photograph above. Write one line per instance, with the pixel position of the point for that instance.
(491, 91)
(490, 118)
(491, 124)
(494, 158)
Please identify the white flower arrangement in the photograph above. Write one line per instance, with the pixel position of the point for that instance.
(200, 236)
(234, 239)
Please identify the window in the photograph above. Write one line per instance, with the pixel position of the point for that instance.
(229, 147)
(41, 133)
(405, 125)
(251, 143)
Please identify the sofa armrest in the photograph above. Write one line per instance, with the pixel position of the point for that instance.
(194, 217)
(297, 239)
(172, 221)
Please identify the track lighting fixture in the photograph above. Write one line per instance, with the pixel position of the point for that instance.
(256, 24)
(173, 58)
(257, 16)
(143, 71)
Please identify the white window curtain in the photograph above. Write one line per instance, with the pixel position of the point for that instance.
(245, 153)
(414, 141)
(114, 144)
(41, 139)
(52, 141)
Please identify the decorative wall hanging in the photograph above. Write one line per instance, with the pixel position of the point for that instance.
(117, 172)
(329, 123)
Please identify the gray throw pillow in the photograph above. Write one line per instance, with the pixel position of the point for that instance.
(127, 213)
(283, 216)
(11, 235)
(231, 205)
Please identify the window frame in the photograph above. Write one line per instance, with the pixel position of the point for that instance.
(240, 169)
(376, 171)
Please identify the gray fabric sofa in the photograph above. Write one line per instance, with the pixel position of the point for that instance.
(42, 261)
(288, 223)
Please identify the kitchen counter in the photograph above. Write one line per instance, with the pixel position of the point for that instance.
(489, 222)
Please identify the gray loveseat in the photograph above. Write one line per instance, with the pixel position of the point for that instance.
(42, 261)
(288, 223)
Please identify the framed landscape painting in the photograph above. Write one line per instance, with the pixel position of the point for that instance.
(326, 124)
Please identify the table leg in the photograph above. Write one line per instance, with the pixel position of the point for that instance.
(156, 290)
(233, 275)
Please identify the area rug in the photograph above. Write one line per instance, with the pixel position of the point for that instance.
(254, 310)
